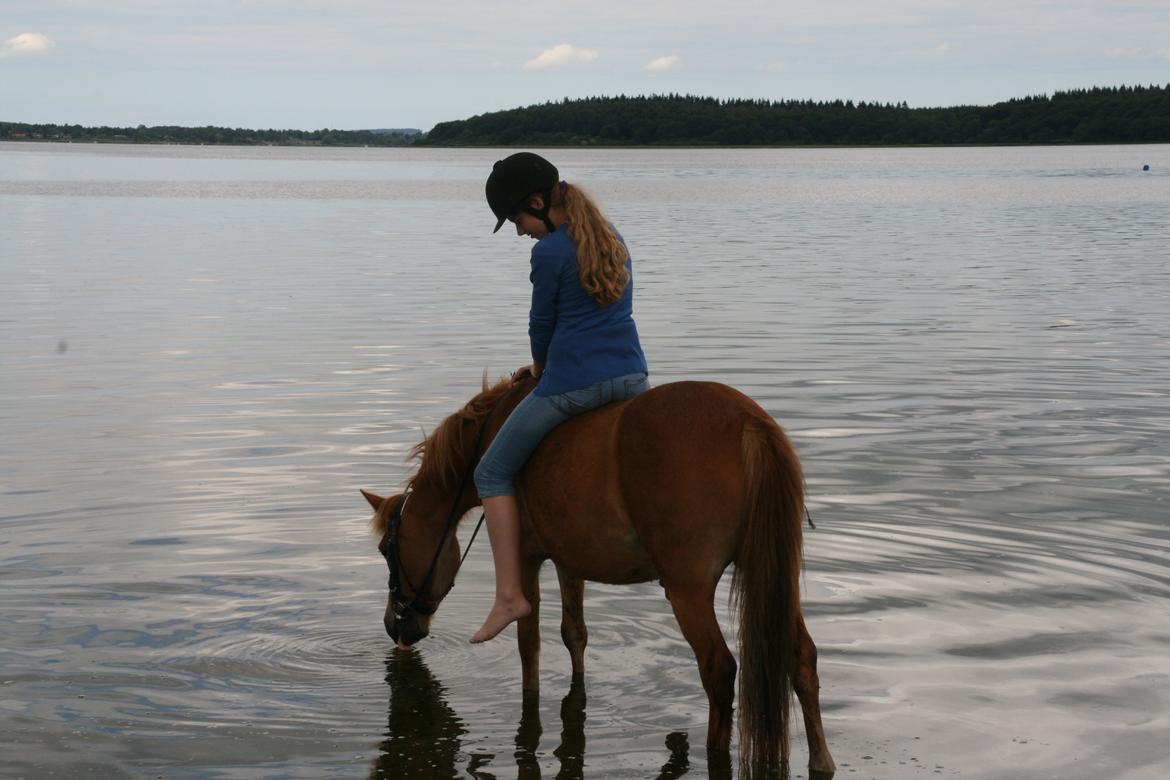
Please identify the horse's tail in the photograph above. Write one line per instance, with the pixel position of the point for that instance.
(766, 590)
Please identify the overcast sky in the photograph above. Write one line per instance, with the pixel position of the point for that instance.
(355, 64)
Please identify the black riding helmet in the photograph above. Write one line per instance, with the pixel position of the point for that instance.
(514, 179)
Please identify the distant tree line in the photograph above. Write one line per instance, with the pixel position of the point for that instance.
(1098, 115)
(170, 134)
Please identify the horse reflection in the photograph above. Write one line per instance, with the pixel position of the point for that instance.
(424, 735)
(528, 740)
(571, 751)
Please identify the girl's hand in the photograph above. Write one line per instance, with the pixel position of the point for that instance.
(530, 370)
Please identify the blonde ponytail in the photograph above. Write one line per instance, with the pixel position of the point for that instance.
(601, 256)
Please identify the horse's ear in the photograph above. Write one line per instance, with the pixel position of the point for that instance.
(374, 499)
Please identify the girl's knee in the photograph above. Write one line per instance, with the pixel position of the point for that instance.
(483, 479)
(489, 482)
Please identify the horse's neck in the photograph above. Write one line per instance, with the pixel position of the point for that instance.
(438, 484)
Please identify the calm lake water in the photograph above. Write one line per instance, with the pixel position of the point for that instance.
(205, 352)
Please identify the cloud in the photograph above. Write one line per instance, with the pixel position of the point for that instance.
(560, 55)
(663, 63)
(25, 43)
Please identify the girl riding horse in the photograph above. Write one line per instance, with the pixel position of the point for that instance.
(585, 348)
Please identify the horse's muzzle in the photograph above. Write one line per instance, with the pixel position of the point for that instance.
(405, 631)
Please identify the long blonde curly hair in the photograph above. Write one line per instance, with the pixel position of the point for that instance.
(601, 255)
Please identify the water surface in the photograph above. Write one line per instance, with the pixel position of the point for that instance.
(205, 352)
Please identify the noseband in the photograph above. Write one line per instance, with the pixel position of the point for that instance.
(418, 602)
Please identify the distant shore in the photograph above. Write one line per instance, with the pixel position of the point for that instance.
(601, 147)
(1100, 115)
(205, 136)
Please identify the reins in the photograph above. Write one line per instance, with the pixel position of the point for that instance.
(416, 603)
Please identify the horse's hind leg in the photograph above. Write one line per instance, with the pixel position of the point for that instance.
(807, 685)
(573, 630)
(695, 611)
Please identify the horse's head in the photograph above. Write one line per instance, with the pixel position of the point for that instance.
(421, 559)
(417, 528)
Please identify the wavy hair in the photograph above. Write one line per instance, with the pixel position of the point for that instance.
(601, 255)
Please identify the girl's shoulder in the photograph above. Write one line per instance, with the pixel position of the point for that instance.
(556, 245)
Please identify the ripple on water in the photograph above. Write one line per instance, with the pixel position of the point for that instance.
(974, 377)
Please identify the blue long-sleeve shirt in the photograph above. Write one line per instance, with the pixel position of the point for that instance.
(579, 342)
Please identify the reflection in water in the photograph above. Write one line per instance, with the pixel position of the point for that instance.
(571, 751)
(528, 739)
(679, 761)
(423, 733)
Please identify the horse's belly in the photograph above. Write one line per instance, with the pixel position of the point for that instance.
(598, 552)
(573, 505)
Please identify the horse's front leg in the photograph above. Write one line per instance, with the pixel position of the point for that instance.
(573, 630)
(528, 628)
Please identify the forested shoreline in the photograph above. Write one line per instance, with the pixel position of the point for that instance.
(208, 135)
(1098, 115)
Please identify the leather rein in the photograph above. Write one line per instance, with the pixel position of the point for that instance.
(418, 602)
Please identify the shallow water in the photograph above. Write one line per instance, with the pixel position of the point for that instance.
(205, 352)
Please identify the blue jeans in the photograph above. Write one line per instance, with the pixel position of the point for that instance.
(531, 421)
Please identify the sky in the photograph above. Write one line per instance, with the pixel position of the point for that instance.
(353, 64)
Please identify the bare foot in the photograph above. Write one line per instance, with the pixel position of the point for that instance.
(504, 612)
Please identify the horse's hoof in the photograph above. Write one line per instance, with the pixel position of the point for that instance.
(822, 773)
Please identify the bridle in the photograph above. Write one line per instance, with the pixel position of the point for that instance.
(418, 603)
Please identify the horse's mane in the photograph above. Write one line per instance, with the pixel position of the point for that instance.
(442, 456)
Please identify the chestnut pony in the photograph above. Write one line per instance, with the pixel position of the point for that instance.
(673, 485)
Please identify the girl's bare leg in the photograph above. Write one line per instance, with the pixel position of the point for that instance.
(503, 524)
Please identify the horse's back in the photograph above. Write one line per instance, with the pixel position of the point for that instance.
(647, 488)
